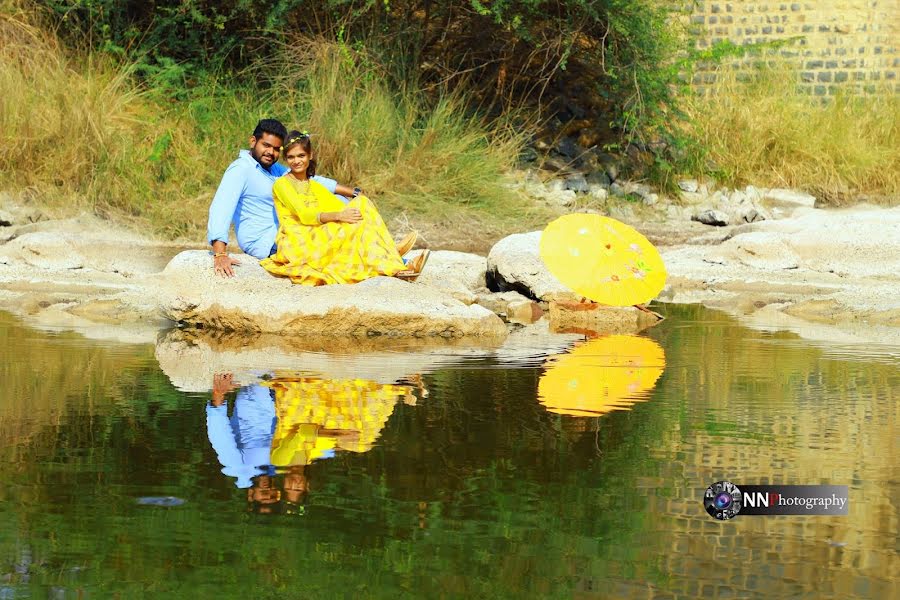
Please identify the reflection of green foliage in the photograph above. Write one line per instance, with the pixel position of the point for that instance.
(475, 492)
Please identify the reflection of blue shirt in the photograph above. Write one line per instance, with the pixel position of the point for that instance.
(244, 198)
(243, 442)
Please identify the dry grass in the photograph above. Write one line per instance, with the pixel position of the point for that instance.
(79, 133)
(768, 132)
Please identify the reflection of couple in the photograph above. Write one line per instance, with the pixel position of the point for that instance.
(284, 424)
(298, 223)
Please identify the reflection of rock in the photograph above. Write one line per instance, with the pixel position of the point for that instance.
(592, 318)
(514, 263)
(254, 301)
(190, 358)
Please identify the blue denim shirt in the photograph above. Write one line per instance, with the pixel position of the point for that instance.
(244, 198)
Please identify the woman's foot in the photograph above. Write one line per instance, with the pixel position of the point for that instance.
(415, 267)
(407, 243)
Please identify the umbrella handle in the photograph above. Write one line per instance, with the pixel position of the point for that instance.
(650, 312)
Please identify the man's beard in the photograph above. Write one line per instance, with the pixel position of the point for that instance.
(260, 159)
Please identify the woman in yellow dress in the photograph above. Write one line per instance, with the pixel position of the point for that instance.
(321, 240)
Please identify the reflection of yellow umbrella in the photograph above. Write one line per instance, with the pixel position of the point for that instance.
(603, 259)
(602, 375)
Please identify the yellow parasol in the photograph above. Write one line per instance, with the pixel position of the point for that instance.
(602, 375)
(603, 259)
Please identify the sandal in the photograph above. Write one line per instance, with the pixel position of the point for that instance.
(415, 267)
(407, 243)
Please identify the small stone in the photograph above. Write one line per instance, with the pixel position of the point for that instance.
(569, 148)
(599, 178)
(555, 163)
(739, 197)
(523, 312)
(577, 183)
(617, 190)
(610, 165)
(650, 199)
(689, 185)
(753, 215)
(789, 198)
(528, 155)
(599, 192)
(562, 198)
(716, 218)
(556, 185)
(691, 197)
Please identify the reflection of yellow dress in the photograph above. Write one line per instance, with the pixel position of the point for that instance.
(351, 412)
(311, 253)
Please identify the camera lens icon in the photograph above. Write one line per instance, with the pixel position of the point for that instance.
(723, 500)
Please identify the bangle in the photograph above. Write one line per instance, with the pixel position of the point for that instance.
(356, 192)
(218, 254)
(319, 218)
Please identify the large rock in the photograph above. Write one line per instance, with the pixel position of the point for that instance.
(460, 274)
(84, 243)
(255, 301)
(514, 264)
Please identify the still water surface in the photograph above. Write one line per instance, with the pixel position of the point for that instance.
(574, 474)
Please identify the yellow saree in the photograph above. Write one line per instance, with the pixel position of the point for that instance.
(311, 253)
(318, 416)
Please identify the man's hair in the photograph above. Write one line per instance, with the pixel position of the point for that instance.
(272, 126)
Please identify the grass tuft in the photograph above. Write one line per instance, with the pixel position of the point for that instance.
(768, 132)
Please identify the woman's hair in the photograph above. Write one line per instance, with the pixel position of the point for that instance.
(302, 138)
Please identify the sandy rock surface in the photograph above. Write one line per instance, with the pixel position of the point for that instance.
(460, 274)
(837, 268)
(254, 301)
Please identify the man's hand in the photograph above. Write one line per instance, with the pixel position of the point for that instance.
(222, 384)
(223, 264)
(350, 215)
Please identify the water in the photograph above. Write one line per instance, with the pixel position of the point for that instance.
(502, 475)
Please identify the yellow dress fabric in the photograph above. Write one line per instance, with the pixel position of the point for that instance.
(311, 253)
(315, 416)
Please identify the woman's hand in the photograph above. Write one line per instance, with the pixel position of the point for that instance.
(350, 215)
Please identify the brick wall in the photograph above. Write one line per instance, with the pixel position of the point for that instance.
(851, 44)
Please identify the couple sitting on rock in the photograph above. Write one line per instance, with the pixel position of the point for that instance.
(294, 221)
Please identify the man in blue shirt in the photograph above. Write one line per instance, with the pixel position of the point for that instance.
(244, 198)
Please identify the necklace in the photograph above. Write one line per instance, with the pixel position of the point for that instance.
(301, 185)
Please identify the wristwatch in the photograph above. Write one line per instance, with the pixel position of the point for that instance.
(356, 192)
